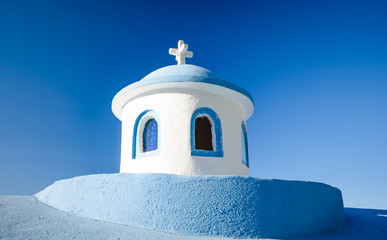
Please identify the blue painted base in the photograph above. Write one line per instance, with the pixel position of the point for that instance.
(229, 206)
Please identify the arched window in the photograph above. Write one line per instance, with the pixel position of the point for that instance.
(146, 134)
(206, 133)
(245, 149)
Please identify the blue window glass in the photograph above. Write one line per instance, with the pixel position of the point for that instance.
(149, 137)
(245, 149)
(146, 137)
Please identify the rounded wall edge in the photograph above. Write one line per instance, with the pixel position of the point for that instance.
(127, 95)
(225, 206)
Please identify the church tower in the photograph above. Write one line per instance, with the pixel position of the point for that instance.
(184, 119)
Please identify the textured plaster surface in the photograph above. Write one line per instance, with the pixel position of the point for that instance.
(226, 206)
(24, 217)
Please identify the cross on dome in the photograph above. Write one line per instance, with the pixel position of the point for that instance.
(181, 52)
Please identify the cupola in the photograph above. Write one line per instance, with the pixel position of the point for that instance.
(184, 119)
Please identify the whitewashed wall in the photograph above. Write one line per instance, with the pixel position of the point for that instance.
(175, 107)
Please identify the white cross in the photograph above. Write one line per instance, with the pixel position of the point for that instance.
(181, 52)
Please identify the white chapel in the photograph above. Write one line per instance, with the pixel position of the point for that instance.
(184, 119)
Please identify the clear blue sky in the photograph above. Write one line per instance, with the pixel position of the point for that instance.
(316, 69)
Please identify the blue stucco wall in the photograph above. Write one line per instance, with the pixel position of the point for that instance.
(230, 206)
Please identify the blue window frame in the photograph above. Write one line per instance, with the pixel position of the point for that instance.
(206, 133)
(146, 135)
(245, 148)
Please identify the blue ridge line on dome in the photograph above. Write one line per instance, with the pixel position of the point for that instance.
(175, 73)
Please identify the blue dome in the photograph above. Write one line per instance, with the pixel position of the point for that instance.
(181, 73)
(186, 73)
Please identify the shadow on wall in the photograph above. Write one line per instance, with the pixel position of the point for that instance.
(361, 224)
(376, 219)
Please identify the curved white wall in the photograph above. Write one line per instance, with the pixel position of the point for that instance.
(174, 107)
